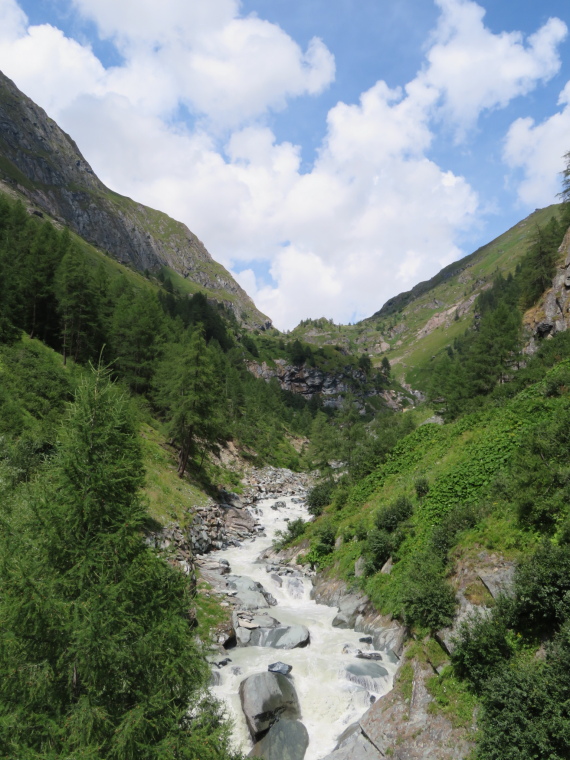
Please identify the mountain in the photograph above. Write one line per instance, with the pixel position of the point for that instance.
(43, 164)
(415, 325)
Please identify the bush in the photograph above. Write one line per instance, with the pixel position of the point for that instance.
(542, 588)
(482, 645)
(378, 550)
(294, 530)
(319, 497)
(391, 516)
(427, 599)
(422, 487)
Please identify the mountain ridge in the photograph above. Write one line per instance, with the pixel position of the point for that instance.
(44, 164)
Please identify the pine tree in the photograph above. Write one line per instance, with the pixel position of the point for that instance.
(97, 657)
(188, 388)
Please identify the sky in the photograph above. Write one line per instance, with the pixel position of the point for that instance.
(330, 153)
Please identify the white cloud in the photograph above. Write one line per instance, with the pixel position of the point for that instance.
(371, 217)
(475, 70)
(537, 150)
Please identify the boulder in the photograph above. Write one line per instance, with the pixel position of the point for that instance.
(280, 667)
(281, 637)
(250, 594)
(265, 698)
(369, 675)
(295, 588)
(356, 747)
(286, 740)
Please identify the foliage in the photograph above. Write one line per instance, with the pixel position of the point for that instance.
(97, 655)
(295, 529)
(427, 599)
(319, 496)
(390, 517)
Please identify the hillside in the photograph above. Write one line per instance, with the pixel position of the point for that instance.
(43, 164)
(414, 326)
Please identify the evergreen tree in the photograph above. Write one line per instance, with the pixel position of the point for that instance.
(189, 389)
(97, 657)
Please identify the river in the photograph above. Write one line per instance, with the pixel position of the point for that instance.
(330, 697)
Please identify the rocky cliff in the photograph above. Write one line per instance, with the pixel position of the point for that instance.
(44, 164)
(311, 381)
(552, 314)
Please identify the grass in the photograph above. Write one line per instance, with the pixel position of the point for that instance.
(451, 699)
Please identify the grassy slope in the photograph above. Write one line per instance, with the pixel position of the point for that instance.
(407, 352)
(462, 461)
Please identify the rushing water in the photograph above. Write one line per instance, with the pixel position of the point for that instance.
(329, 701)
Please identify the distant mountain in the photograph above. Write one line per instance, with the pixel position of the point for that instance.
(41, 162)
(413, 326)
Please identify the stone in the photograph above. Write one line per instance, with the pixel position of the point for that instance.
(280, 667)
(286, 740)
(359, 566)
(250, 594)
(357, 747)
(295, 587)
(367, 674)
(281, 637)
(369, 656)
(265, 698)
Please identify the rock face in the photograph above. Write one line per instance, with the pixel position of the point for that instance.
(286, 740)
(265, 698)
(553, 316)
(44, 164)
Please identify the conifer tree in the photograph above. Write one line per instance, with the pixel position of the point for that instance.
(97, 657)
(188, 388)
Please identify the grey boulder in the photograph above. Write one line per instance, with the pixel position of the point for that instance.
(281, 637)
(250, 594)
(286, 740)
(280, 667)
(265, 698)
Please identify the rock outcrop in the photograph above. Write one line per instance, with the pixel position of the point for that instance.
(44, 164)
(553, 314)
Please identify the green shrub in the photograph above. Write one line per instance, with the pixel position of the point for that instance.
(294, 530)
(421, 487)
(378, 550)
(319, 497)
(426, 598)
(482, 645)
(390, 517)
(542, 589)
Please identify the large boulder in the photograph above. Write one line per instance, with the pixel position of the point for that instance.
(265, 698)
(250, 594)
(282, 637)
(286, 740)
(356, 747)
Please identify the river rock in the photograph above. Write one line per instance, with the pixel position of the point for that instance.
(369, 656)
(280, 667)
(250, 594)
(367, 675)
(286, 740)
(265, 698)
(357, 747)
(282, 637)
(295, 588)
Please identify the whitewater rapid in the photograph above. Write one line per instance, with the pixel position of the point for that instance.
(329, 701)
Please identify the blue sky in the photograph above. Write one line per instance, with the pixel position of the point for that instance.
(330, 153)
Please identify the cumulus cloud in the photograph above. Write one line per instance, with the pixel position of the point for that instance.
(371, 216)
(537, 150)
(474, 69)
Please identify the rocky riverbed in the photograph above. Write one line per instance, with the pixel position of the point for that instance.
(295, 675)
